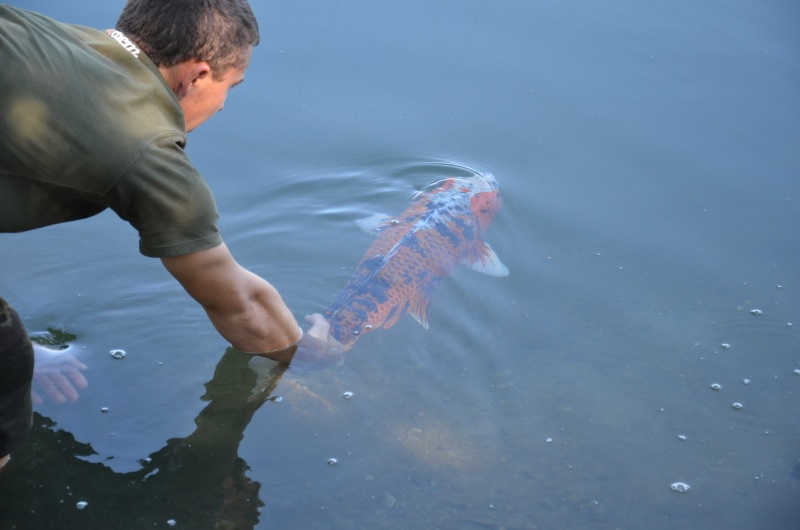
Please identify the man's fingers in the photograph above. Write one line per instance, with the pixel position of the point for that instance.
(77, 378)
(49, 388)
(58, 375)
(58, 388)
(65, 388)
(75, 363)
(319, 326)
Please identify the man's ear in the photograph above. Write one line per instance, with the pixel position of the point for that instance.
(193, 73)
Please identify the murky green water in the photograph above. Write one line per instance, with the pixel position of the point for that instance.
(648, 154)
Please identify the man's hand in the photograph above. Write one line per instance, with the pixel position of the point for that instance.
(57, 374)
(317, 349)
(320, 329)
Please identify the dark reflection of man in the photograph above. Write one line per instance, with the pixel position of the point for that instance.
(195, 482)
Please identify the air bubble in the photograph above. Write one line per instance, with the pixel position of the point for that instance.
(680, 487)
(755, 312)
(548, 440)
(332, 461)
(104, 409)
(347, 395)
(716, 386)
(81, 505)
(171, 522)
(737, 405)
(725, 346)
(118, 354)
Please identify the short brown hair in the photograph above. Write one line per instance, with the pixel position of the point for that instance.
(171, 32)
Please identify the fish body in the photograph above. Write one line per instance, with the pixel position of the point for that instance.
(413, 252)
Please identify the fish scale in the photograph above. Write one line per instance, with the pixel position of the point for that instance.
(413, 253)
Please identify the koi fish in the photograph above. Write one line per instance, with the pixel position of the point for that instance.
(413, 252)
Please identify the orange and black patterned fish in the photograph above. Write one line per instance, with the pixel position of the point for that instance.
(414, 252)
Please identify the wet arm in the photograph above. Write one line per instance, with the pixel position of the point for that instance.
(244, 308)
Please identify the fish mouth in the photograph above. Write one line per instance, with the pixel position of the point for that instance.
(477, 183)
(482, 182)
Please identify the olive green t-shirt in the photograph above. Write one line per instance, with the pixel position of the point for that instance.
(87, 122)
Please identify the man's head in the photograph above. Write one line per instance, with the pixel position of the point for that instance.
(170, 32)
(202, 47)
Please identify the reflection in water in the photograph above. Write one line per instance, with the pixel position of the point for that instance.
(198, 481)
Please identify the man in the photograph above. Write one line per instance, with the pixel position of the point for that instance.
(94, 119)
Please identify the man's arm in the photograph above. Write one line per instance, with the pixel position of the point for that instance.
(246, 309)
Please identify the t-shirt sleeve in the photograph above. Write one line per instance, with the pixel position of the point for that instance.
(166, 199)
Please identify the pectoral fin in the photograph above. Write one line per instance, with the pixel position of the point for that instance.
(374, 223)
(420, 310)
(488, 262)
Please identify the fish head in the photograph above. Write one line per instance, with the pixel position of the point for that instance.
(486, 201)
(346, 336)
(351, 319)
(483, 193)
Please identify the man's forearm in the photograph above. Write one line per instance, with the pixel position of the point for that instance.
(245, 309)
(259, 322)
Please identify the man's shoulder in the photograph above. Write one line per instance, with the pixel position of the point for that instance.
(80, 104)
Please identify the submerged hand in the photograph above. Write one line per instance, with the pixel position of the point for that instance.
(57, 374)
(316, 349)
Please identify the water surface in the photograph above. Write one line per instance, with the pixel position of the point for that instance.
(648, 155)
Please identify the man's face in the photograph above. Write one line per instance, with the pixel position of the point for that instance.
(208, 95)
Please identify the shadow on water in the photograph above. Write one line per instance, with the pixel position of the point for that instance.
(197, 482)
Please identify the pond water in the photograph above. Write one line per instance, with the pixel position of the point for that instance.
(649, 158)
